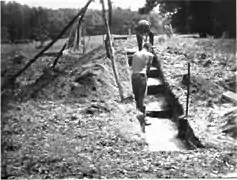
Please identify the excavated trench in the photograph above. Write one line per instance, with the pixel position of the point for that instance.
(165, 129)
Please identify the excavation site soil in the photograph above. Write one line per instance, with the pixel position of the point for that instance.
(69, 122)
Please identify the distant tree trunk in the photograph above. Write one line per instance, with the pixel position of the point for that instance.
(129, 32)
(83, 41)
(111, 52)
(78, 31)
(87, 43)
(110, 13)
(103, 39)
(84, 45)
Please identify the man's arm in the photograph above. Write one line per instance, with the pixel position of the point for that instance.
(151, 37)
(149, 64)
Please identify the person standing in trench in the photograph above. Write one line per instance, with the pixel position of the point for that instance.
(141, 64)
(143, 28)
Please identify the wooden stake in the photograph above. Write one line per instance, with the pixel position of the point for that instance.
(111, 51)
(188, 91)
(77, 41)
(79, 31)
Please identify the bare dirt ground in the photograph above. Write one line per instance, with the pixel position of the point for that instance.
(75, 126)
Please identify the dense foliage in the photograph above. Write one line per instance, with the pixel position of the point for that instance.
(20, 22)
(205, 17)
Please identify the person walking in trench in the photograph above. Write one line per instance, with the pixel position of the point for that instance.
(143, 28)
(141, 64)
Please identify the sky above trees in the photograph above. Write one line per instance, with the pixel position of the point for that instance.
(54, 4)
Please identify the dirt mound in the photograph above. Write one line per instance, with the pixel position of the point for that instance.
(92, 80)
(230, 126)
(85, 79)
(88, 84)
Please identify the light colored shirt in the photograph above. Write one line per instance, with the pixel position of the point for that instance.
(140, 61)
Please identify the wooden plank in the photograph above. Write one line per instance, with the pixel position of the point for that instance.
(131, 51)
(154, 82)
(230, 96)
(121, 38)
(161, 135)
(156, 89)
(159, 105)
(154, 73)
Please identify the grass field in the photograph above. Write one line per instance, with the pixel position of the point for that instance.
(29, 49)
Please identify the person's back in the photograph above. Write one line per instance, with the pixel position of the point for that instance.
(143, 28)
(140, 61)
(140, 68)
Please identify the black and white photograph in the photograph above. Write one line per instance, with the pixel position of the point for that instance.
(118, 89)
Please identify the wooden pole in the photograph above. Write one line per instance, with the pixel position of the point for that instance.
(71, 38)
(87, 43)
(188, 89)
(111, 51)
(79, 31)
(77, 37)
(129, 32)
(110, 14)
(59, 55)
(28, 64)
(84, 41)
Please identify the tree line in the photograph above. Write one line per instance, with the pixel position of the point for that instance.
(21, 22)
(213, 17)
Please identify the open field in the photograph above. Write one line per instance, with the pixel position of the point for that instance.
(30, 50)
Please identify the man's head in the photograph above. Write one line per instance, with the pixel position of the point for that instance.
(148, 47)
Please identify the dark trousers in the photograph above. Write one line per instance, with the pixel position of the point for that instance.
(140, 39)
(139, 86)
